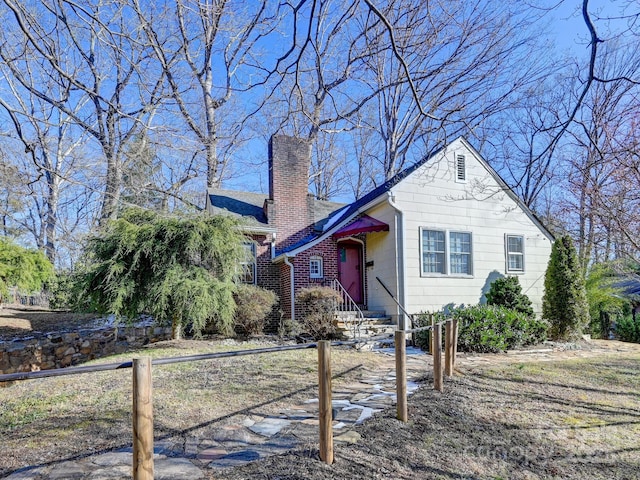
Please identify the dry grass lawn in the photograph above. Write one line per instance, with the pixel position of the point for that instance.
(568, 419)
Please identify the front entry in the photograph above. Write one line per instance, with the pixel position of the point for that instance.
(350, 269)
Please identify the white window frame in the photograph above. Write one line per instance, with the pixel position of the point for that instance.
(249, 264)
(316, 272)
(447, 253)
(508, 254)
(469, 254)
(437, 252)
(460, 166)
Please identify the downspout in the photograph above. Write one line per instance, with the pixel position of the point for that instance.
(273, 245)
(400, 263)
(293, 299)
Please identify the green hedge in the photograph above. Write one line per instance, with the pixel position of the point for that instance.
(490, 329)
(628, 330)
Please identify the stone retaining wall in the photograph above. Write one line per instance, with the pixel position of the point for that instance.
(63, 349)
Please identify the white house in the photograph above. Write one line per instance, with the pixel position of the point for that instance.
(436, 234)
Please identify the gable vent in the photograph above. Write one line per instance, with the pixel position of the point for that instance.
(461, 168)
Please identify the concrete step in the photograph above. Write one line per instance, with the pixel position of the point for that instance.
(381, 321)
(366, 313)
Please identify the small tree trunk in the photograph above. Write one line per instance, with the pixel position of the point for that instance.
(176, 329)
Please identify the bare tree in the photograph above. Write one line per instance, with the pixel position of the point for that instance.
(602, 160)
(100, 69)
(203, 48)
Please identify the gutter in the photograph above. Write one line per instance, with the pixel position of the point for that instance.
(293, 299)
(329, 232)
(400, 260)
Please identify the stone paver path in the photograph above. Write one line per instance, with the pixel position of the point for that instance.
(246, 438)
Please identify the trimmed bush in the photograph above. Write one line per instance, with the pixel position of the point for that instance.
(319, 305)
(491, 329)
(253, 304)
(628, 329)
(507, 292)
(423, 338)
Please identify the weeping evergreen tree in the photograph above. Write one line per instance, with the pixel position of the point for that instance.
(23, 268)
(181, 271)
(564, 303)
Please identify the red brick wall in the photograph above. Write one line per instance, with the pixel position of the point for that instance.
(289, 160)
(268, 276)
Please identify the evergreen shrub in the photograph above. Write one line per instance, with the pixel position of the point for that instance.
(507, 292)
(628, 329)
(491, 329)
(564, 304)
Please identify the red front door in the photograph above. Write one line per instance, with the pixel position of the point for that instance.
(350, 269)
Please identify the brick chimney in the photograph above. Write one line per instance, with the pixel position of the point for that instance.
(289, 204)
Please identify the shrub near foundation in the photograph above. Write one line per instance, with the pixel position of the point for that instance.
(253, 304)
(319, 317)
(491, 329)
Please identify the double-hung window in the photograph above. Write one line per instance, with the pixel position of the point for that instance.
(446, 252)
(248, 264)
(514, 246)
(433, 251)
(460, 253)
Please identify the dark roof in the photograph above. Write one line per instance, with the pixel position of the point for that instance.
(351, 209)
(249, 206)
(629, 286)
(325, 211)
(386, 186)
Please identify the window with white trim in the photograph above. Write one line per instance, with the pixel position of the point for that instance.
(460, 253)
(446, 252)
(461, 168)
(433, 251)
(248, 264)
(514, 246)
(315, 267)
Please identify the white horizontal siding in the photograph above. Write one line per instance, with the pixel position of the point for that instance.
(431, 198)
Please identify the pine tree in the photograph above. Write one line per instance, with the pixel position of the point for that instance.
(564, 303)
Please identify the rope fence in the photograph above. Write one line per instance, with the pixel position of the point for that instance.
(142, 368)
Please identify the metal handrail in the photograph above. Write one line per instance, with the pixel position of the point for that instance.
(348, 305)
(397, 302)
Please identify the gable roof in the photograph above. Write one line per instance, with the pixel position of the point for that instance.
(342, 217)
(249, 207)
(331, 216)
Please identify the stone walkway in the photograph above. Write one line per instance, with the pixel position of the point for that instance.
(246, 438)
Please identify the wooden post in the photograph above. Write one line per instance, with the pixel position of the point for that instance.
(433, 324)
(401, 374)
(455, 342)
(325, 414)
(437, 357)
(448, 348)
(142, 420)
